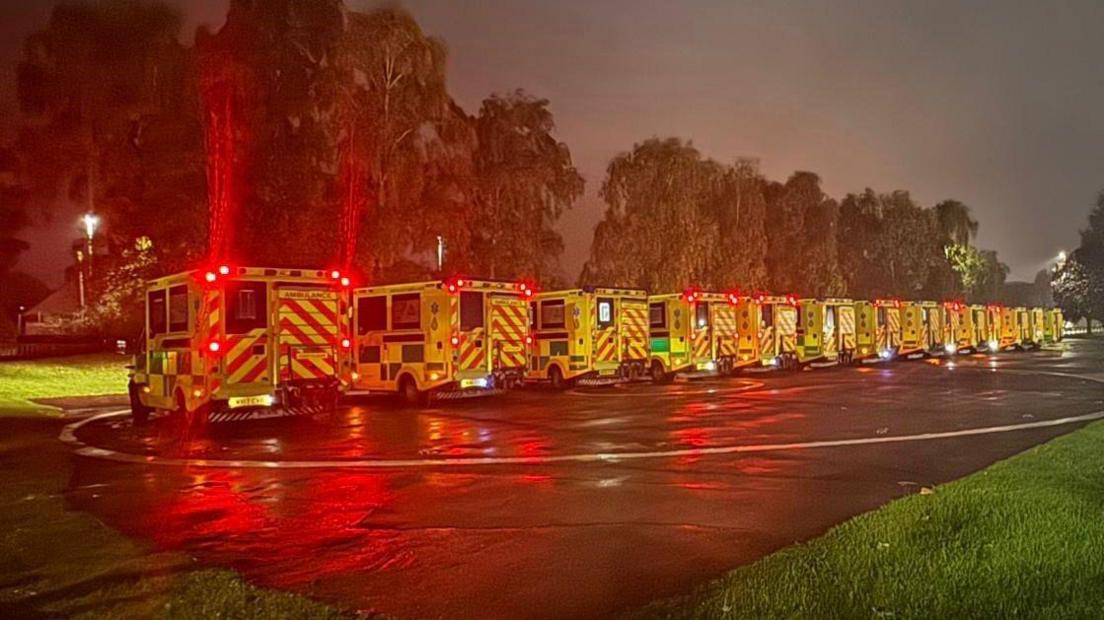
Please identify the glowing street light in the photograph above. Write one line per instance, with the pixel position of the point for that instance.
(90, 221)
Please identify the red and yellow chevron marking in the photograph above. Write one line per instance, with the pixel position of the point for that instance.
(766, 342)
(605, 345)
(509, 326)
(893, 327)
(471, 350)
(243, 365)
(634, 331)
(209, 326)
(831, 339)
(702, 342)
(725, 330)
(308, 329)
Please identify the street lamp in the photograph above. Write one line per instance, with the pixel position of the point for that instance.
(91, 221)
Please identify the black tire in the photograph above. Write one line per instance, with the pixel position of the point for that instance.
(138, 412)
(410, 394)
(658, 375)
(556, 378)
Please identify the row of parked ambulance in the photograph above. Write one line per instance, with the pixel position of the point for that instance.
(233, 340)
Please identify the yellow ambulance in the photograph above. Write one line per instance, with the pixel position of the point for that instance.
(231, 343)
(1055, 323)
(441, 339)
(922, 329)
(589, 335)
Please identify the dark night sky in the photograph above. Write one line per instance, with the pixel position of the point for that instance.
(999, 104)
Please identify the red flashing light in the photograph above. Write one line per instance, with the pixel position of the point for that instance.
(335, 274)
(791, 300)
(733, 298)
(224, 270)
(214, 346)
(346, 343)
(345, 281)
(210, 276)
(528, 340)
(459, 284)
(455, 341)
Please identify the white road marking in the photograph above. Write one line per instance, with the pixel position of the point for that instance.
(68, 435)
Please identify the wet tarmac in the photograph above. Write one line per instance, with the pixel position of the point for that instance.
(579, 504)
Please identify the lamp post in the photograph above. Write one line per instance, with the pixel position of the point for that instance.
(91, 221)
(80, 276)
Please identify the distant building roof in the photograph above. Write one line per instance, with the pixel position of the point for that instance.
(65, 300)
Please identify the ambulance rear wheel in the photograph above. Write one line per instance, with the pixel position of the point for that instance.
(190, 419)
(410, 394)
(556, 378)
(658, 374)
(138, 412)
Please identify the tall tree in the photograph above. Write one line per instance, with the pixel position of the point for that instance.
(739, 208)
(802, 254)
(655, 233)
(414, 145)
(526, 180)
(269, 87)
(82, 83)
(13, 211)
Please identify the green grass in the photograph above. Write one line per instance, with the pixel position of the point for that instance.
(1023, 538)
(78, 375)
(61, 563)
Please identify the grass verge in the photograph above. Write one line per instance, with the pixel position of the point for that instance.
(59, 563)
(55, 377)
(1024, 537)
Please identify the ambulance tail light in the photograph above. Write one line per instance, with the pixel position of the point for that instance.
(214, 346)
(455, 341)
(346, 343)
(528, 340)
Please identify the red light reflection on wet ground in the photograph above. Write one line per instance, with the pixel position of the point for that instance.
(552, 540)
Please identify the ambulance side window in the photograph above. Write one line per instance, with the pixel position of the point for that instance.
(552, 314)
(178, 308)
(246, 307)
(881, 316)
(657, 315)
(371, 314)
(767, 314)
(830, 319)
(406, 311)
(155, 306)
(532, 315)
(471, 310)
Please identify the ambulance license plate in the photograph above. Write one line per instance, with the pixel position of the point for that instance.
(250, 401)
